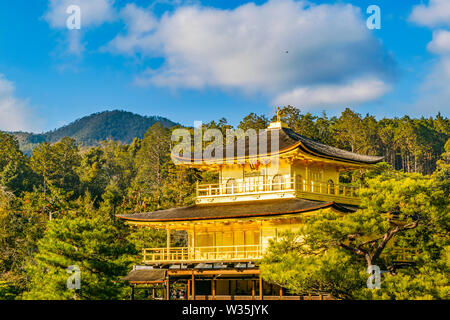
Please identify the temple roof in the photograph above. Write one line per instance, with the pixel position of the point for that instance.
(145, 276)
(288, 140)
(261, 208)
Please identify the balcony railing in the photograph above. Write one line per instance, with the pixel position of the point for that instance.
(202, 254)
(236, 253)
(265, 185)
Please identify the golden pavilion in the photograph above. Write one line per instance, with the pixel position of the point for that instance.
(254, 200)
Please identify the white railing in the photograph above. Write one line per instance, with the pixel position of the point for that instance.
(264, 184)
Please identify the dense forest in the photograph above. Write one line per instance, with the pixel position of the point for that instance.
(58, 205)
(411, 145)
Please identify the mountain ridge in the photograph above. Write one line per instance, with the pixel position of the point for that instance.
(117, 125)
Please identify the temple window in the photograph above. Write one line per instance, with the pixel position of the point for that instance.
(330, 186)
(231, 186)
(278, 182)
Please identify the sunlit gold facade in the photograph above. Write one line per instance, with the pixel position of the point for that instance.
(290, 174)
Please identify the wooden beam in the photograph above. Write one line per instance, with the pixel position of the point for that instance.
(167, 289)
(168, 240)
(189, 289)
(148, 282)
(253, 289)
(214, 289)
(260, 288)
(178, 272)
(193, 286)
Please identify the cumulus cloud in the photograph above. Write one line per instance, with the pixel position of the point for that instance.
(284, 49)
(15, 113)
(357, 91)
(138, 23)
(93, 13)
(434, 93)
(436, 13)
(440, 43)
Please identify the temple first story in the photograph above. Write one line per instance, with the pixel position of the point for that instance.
(224, 244)
(207, 282)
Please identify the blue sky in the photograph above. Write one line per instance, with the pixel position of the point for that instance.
(203, 60)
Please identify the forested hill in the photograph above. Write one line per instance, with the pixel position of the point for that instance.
(117, 125)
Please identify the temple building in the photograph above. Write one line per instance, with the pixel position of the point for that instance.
(261, 192)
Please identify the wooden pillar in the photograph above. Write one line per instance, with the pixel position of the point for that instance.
(193, 241)
(281, 293)
(168, 242)
(253, 289)
(153, 292)
(260, 288)
(132, 292)
(189, 289)
(196, 188)
(168, 288)
(214, 289)
(193, 286)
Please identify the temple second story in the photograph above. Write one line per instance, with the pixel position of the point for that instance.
(277, 163)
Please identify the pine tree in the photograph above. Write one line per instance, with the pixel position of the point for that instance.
(98, 247)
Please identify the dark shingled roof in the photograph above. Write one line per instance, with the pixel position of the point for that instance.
(145, 275)
(235, 210)
(287, 140)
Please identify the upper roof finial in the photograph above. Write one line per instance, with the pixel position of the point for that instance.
(278, 112)
(277, 124)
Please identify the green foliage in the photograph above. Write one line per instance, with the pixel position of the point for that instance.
(15, 171)
(56, 164)
(303, 270)
(158, 182)
(96, 245)
(331, 251)
(253, 121)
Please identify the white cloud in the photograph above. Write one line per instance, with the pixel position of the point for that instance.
(357, 91)
(436, 13)
(15, 113)
(440, 43)
(93, 13)
(280, 48)
(434, 92)
(139, 22)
